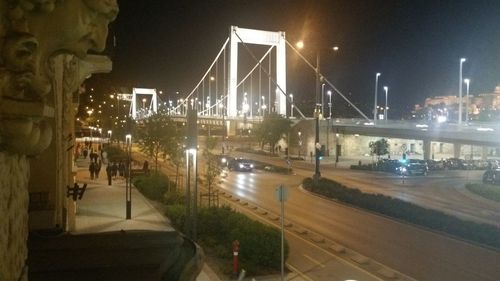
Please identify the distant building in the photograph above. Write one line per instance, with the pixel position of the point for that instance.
(481, 102)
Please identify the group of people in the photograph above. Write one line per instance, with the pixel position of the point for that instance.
(95, 168)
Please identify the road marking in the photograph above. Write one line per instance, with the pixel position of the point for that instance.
(294, 269)
(339, 259)
(314, 261)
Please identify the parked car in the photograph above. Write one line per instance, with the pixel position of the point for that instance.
(435, 165)
(241, 164)
(455, 164)
(492, 177)
(417, 167)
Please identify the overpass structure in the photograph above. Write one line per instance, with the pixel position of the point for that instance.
(485, 135)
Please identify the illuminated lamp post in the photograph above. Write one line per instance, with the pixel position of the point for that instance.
(467, 82)
(386, 89)
(128, 184)
(375, 110)
(462, 60)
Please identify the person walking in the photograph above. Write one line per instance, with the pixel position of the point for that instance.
(97, 168)
(121, 169)
(114, 170)
(109, 173)
(92, 169)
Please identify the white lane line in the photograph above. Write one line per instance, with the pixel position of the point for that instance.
(314, 260)
(290, 232)
(294, 269)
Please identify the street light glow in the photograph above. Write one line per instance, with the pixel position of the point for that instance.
(300, 44)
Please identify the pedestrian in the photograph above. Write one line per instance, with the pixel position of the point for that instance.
(109, 173)
(97, 168)
(121, 169)
(92, 170)
(114, 170)
(85, 153)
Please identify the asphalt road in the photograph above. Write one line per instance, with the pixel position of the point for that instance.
(419, 253)
(416, 252)
(440, 190)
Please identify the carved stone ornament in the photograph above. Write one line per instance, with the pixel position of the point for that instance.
(32, 32)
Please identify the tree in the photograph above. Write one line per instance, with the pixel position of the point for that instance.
(212, 168)
(158, 136)
(380, 147)
(272, 129)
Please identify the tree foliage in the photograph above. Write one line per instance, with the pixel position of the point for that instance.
(380, 147)
(212, 167)
(272, 129)
(158, 136)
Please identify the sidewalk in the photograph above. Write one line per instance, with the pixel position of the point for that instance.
(102, 209)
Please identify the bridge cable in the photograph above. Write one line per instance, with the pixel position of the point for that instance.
(207, 72)
(327, 81)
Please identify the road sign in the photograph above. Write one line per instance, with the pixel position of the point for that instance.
(281, 193)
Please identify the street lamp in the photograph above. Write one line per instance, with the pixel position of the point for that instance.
(386, 89)
(329, 103)
(263, 107)
(375, 111)
(467, 82)
(128, 184)
(323, 99)
(300, 45)
(109, 136)
(291, 105)
(317, 145)
(462, 60)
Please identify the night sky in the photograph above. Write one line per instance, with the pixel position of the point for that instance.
(416, 45)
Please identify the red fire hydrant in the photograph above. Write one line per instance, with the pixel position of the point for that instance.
(236, 249)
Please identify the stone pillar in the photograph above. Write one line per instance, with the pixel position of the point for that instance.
(427, 149)
(457, 148)
(232, 127)
(484, 153)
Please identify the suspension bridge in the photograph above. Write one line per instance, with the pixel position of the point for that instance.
(222, 99)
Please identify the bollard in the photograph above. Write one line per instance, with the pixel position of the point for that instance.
(236, 249)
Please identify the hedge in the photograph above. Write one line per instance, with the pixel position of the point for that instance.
(487, 191)
(481, 233)
(260, 245)
(158, 187)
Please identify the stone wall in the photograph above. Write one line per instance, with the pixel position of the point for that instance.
(14, 176)
(32, 34)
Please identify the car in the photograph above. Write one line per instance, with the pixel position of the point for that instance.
(241, 164)
(492, 176)
(413, 167)
(417, 167)
(224, 160)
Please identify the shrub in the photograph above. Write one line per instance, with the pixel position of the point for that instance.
(218, 227)
(433, 219)
(115, 153)
(488, 191)
(153, 186)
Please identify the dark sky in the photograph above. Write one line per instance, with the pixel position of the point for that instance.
(416, 45)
